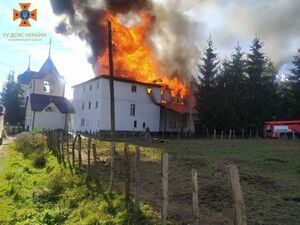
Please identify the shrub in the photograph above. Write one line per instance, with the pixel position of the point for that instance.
(56, 182)
(33, 145)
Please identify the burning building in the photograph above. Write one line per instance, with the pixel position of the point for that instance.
(137, 105)
(152, 52)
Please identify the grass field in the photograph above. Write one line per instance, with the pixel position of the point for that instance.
(55, 195)
(269, 172)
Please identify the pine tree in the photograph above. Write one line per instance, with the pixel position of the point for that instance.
(231, 91)
(294, 84)
(261, 87)
(207, 76)
(13, 101)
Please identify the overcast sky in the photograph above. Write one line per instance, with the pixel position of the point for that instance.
(276, 22)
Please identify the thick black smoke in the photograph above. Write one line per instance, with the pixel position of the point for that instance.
(83, 19)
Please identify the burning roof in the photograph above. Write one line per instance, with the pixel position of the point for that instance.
(150, 44)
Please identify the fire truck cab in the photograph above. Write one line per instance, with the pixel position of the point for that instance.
(282, 129)
(2, 112)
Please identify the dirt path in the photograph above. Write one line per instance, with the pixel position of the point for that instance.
(3, 151)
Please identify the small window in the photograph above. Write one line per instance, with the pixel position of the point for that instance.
(82, 106)
(144, 125)
(91, 87)
(96, 104)
(46, 86)
(90, 105)
(135, 124)
(133, 88)
(49, 109)
(82, 122)
(97, 85)
(98, 123)
(83, 88)
(132, 110)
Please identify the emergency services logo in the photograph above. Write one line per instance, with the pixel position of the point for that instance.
(25, 15)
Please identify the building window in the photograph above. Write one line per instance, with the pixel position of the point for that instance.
(97, 85)
(83, 88)
(144, 125)
(49, 109)
(91, 87)
(98, 123)
(96, 104)
(82, 106)
(132, 110)
(133, 88)
(46, 86)
(82, 122)
(135, 124)
(90, 104)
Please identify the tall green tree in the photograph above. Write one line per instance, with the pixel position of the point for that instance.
(208, 70)
(13, 100)
(294, 86)
(260, 87)
(231, 92)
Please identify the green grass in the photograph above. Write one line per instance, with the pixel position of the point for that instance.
(53, 195)
(269, 172)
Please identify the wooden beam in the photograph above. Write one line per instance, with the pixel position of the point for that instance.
(237, 195)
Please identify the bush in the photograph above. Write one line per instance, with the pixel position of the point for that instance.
(33, 145)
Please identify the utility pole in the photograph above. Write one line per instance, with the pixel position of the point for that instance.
(190, 108)
(112, 106)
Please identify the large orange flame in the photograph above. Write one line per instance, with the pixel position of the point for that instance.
(133, 55)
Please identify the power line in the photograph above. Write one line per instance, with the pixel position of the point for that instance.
(194, 5)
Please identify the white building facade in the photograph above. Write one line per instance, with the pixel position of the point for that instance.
(137, 105)
(46, 106)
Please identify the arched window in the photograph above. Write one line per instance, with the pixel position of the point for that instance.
(49, 109)
(46, 86)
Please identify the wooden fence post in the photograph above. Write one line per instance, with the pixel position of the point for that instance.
(215, 133)
(89, 157)
(137, 186)
(250, 135)
(294, 137)
(62, 146)
(196, 213)
(73, 150)
(57, 146)
(222, 133)
(127, 174)
(67, 150)
(230, 134)
(165, 191)
(237, 195)
(79, 151)
(94, 154)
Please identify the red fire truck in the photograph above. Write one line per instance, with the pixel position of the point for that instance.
(283, 129)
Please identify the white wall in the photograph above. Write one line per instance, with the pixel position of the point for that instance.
(171, 121)
(49, 120)
(56, 86)
(99, 119)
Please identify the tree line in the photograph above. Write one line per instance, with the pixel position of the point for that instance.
(243, 91)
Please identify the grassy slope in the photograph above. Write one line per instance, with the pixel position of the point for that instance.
(52, 195)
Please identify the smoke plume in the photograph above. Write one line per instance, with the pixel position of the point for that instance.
(172, 33)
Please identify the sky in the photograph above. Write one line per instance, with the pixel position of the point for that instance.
(276, 22)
